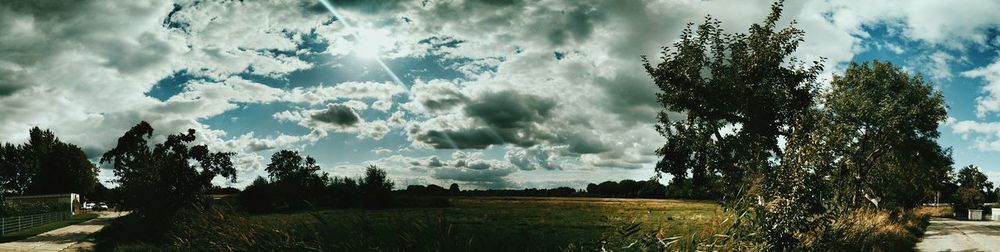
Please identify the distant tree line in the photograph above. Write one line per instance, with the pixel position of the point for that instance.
(623, 189)
(294, 183)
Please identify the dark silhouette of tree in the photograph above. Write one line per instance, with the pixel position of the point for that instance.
(18, 169)
(288, 165)
(344, 192)
(296, 181)
(45, 165)
(258, 197)
(454, 189)
(376, 188)
(157, 180)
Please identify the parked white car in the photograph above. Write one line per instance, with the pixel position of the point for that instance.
(88, 206)
(102, 206)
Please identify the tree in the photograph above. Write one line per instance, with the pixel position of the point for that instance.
(17, 168)
(453, 189)
(295, 179)
(156, 181)
(61, 167)
(739, 94)
(258, 197)
(973, 187)
(288, 165)
(45, 165)
(376, 188)
(884, 123)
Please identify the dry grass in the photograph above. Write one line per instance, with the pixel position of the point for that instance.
(935, 211)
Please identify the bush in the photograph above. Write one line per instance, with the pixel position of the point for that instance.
(28, 207)
(376, 189)
(258, 197)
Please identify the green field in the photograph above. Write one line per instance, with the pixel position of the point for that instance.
(493, 223)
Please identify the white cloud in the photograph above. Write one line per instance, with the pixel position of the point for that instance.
(990, 103)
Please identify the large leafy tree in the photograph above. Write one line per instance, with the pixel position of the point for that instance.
(287, 165)
(883, 125)
(156, 180)
(739, 94)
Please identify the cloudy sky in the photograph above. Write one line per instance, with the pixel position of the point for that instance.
(484, 93)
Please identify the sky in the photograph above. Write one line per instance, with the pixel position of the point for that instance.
(483, 93)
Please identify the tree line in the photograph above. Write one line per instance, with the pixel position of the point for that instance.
(46, 165)
(294, 183)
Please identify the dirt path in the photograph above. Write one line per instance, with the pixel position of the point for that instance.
(957, 235)
(62, 238)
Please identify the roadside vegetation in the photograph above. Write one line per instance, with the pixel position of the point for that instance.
(795, 166)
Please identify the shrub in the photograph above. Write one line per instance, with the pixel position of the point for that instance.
(376, 189)
(258, 197)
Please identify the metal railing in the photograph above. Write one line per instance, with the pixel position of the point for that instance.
(15, 223)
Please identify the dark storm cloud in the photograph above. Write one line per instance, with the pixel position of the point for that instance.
(8, 88)
(583, 144)
(579, 24)
(488, 178)
(434, 162)
(338, 114)
(445, 99)
(460, 139)
(509, 109)
(630, 96)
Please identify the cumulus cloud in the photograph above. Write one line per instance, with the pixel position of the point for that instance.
(555, 86)
(337, 114)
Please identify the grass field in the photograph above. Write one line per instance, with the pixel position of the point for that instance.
(494, 223)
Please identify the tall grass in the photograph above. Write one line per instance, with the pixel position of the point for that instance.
(855, 230)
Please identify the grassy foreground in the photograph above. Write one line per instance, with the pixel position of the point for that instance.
(494, 223)
(517, 224)
(22, 234)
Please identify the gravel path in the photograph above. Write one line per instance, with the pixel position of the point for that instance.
(958, 235)
(62, 238)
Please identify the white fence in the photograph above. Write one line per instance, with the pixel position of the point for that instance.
(15, 223)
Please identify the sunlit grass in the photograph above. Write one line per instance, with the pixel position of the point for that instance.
(512, 223)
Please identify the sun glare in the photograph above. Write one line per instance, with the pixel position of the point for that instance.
(371, 44)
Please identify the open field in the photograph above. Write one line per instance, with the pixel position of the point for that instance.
(497, 223)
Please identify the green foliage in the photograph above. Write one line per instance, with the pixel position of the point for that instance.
(872, 140)
(740, 93)
(157, 181)
(973, 188)
(883, 126)
(26, 207)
